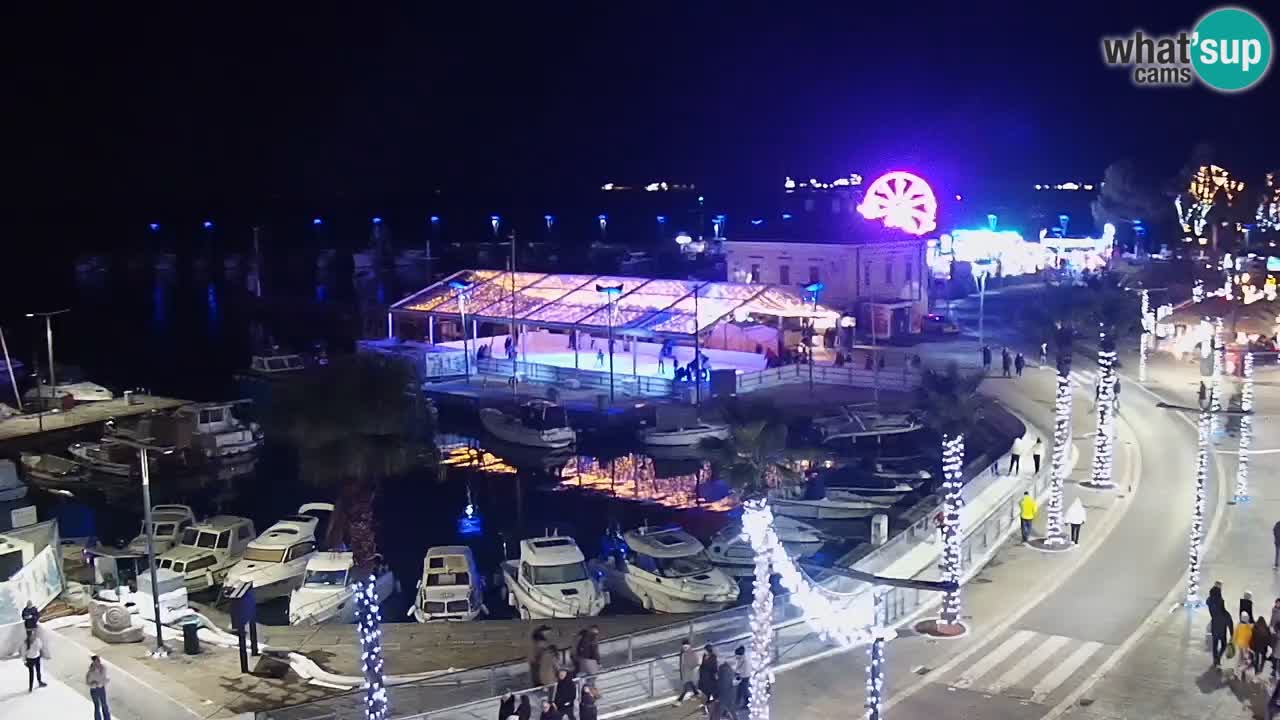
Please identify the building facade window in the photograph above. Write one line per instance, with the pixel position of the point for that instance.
(784, 274)
(888, 271)
(866, 274)
(908, 269)
(813, 274)
(755, 273)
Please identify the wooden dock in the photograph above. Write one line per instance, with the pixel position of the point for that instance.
(32, 426)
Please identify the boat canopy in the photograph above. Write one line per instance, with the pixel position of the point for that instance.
(643, 306)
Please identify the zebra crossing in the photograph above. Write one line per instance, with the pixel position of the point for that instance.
(1028, 665)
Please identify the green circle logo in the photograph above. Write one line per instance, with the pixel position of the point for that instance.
(1231, 49)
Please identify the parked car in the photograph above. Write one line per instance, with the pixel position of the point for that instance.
(935, 323)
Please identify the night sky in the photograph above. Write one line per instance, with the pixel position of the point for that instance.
(247, 108)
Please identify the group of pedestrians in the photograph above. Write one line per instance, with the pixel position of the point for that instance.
(562, 700)
(33, 650)
(1074, 517)
(1251, 641)
(1010, 363)
(725, 686)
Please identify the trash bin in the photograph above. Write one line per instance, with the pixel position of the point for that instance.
(190, 639)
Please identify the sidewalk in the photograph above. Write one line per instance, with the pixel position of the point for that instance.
(55, 702)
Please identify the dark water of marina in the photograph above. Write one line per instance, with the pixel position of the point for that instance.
(185, 332)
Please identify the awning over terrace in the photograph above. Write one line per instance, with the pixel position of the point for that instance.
(644, 306)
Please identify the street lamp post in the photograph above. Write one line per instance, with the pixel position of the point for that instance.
(813, 289)
(462, 288)
(611, 293)
(48, 332)
(142, 448)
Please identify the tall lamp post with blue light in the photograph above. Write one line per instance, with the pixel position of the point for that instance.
(48, 333)
(611, 293)
(143, 448)
(462, 287)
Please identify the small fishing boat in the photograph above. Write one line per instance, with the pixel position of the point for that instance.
(684, 436)
(729, 549)
(52, 472)
(664, 570)
(814, 504)
(216, 432)
(106, 457)
(551, 580)
(853, 423)
(854, 481)
(539, 423)
(451, 587)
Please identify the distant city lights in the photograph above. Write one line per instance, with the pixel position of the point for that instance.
(853, 180)
(1071, 186)
(658, 186)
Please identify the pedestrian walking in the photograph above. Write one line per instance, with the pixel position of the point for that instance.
(1219, 623)
(549, 711)
(1027, 511)
(1044, 354)
(1273, 704)
(588, 651)
(1019, 364)
(32, 652)
(1275, 537)
(96, 679)
(1006, 362)
(524, 711)
(707, 677)
(1243, 640)
(600, 358)
(986, 358)
(587, 706)
(689, 669)
(507, 707)
(1037, 451)
(1246, 603)
(1075, 517)
(1260, 645)
(1015, 455)
(742, 671)
(727, 691)
(31, 614)
(1202, 393)
(566, 694)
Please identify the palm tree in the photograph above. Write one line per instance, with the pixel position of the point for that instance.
(951, 405)
(353, 424)
(752, 462)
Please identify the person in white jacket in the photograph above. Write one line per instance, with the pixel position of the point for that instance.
(1075, 517)
(32, 651)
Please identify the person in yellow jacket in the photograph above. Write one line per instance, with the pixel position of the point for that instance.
(1243, 639)
(1029, 509)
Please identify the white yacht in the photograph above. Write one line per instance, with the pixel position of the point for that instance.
(822, 507)
(277, 364)
(217, 432)
(851, 482)
(277, 559)
(327, 594)
(451, 587)
(539, 423)
(168, 523)
(853, 423)
(664, 570)
(730, 549)
(207, 550)
(550, 580)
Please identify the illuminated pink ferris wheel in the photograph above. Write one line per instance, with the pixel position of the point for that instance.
(901, 200)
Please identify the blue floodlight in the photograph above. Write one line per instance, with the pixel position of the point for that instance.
(495, 218)
(786, 216)
(460, 285)
(757, 221)
(814, 288)
(208, 224)
(609, 289)
(435, 219)
(662, 219)
(719, 218)
(317, 221)
(602, 217)
(548, 218)
(155, 227)
(377, 220)
(700, 199)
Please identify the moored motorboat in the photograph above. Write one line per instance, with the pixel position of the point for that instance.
(327, 594)
(539, 423)
(106, 457)
(168, 524)
(78, 391)
(664, 570)
(53, 472)
(276, 560)
(451, 587)
(730, 549)
(216, 432)
(691, 435)
(550, 580)
(852, 481)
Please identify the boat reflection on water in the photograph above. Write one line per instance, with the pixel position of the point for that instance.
(636, 477)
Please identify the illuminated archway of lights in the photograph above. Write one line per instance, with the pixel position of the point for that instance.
(901, 200)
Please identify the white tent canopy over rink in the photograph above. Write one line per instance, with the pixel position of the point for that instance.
(735, 324)
(645, 307)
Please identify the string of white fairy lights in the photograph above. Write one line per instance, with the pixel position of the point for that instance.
(1144, 342)
(1103, 439)
(369, 617)
(1061, 453)
(1246, 432)
(835, 616)
(952, 502)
